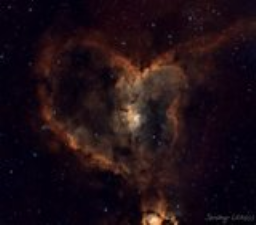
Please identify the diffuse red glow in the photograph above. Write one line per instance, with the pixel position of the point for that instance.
(141, 173)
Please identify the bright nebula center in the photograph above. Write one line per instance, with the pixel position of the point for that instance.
(133, 118)
(153, 219)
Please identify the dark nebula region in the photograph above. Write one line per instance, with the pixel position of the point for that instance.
(128, 112)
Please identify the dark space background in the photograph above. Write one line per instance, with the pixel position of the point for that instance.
(41, 187)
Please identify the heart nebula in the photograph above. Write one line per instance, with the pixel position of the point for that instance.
(117, 117)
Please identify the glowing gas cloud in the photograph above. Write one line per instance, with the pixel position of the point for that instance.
(120, 116)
